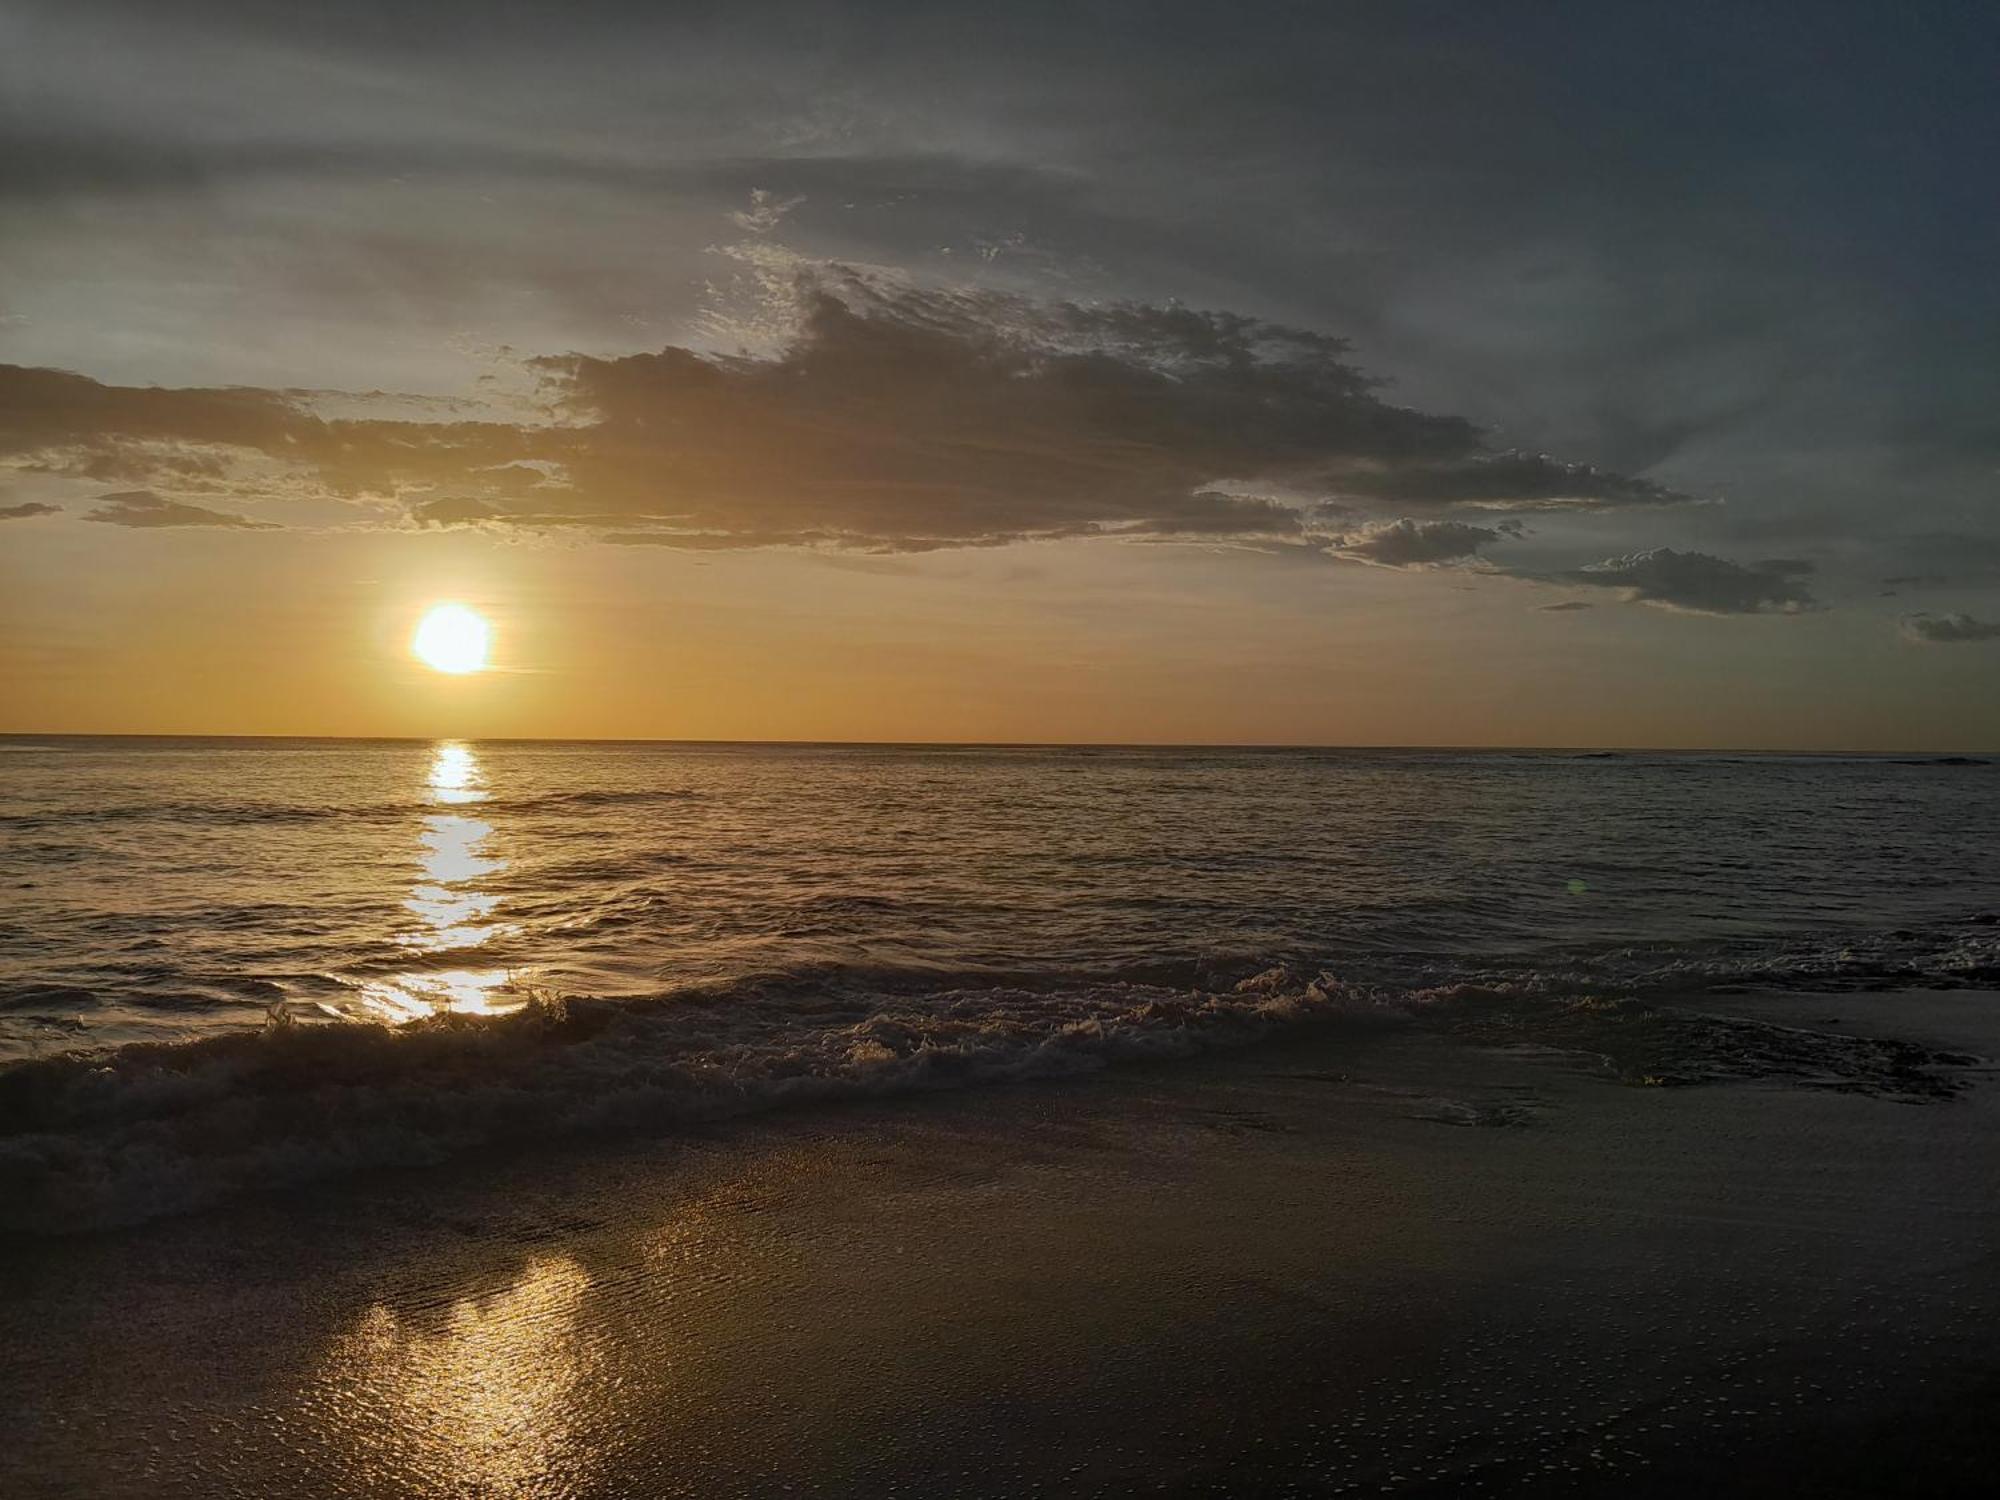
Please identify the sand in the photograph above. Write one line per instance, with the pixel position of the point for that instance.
(1364, 1263)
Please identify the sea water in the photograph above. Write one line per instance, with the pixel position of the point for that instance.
(241, 963)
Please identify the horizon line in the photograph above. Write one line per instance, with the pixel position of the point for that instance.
(861, 744)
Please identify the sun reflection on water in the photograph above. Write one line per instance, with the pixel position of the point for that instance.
(455, 775)
(481, 1397)
(453, 913)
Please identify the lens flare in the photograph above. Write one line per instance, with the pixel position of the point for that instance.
(451, 638)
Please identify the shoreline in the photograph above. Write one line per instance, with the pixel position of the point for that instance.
(1326, 1265)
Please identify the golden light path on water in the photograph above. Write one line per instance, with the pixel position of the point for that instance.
(482, 1396)
(451, 908)
(527, 1378)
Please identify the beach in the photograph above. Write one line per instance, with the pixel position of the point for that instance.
(1383, 1260)
(882, 751)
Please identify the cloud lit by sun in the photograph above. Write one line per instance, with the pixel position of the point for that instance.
(903, 392)
(451, 638)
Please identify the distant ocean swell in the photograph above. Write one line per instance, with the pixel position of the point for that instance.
(248, 813)
(94, 1141)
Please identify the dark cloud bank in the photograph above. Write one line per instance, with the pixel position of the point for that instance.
(898, 418)
(1700, 584)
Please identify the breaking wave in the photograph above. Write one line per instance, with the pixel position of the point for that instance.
(94, 1141)
(158, 1129)
(710, 932)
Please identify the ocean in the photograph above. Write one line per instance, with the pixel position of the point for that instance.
(233, 965)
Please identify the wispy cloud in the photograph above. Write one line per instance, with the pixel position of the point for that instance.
(1949, 630)
(1407, 543)
(143, 509)
(1504, 481)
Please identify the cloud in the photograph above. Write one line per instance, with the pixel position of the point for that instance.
(1952, 629)
(900, 417)
(1506, 481)
(58, 411)
(1563, 608)
(453, 510)
(1697, 583)
(766, 211)
(1944, 559)
(725, 541)
(1208, 513)
(895, 418)
(26, 509)
(1408, 543)
(144, 509)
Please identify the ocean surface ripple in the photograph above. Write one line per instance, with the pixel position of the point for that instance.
(235, 965)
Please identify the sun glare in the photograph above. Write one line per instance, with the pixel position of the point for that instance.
(452, 638)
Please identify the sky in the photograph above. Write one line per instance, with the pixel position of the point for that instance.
(1420, 373)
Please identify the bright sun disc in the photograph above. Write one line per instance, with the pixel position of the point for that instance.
(451, 638)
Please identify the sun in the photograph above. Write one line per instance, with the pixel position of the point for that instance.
(452, 638)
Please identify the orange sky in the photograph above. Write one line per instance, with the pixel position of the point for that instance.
(263, 633)
(899, 373)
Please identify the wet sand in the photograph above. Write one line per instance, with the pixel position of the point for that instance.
(1367, 1262)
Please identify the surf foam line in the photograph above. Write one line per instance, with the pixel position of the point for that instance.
(160, 1129)
(99, 1141)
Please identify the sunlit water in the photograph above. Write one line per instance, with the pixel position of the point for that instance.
(690, 931)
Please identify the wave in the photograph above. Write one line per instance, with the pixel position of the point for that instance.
(1963, 954)
(91, 1142)
(231, 814)
(598, 797)
(157, 1129)
(238, 813)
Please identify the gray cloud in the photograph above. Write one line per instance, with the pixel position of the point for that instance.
(1407, 543)
(1507, 481)
(1207, 513)
(1698, 583)
(1952, 629)
(1612, 277)
(26, 509)
(897, 417)
(144, 509)
(1563, 608)
(906, 417)
(1944, 559)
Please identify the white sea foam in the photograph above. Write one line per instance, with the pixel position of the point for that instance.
(89, 1142)
(157, 1130)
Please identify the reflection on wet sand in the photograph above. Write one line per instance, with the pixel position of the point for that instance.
(482, 1397)
(448, 902)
